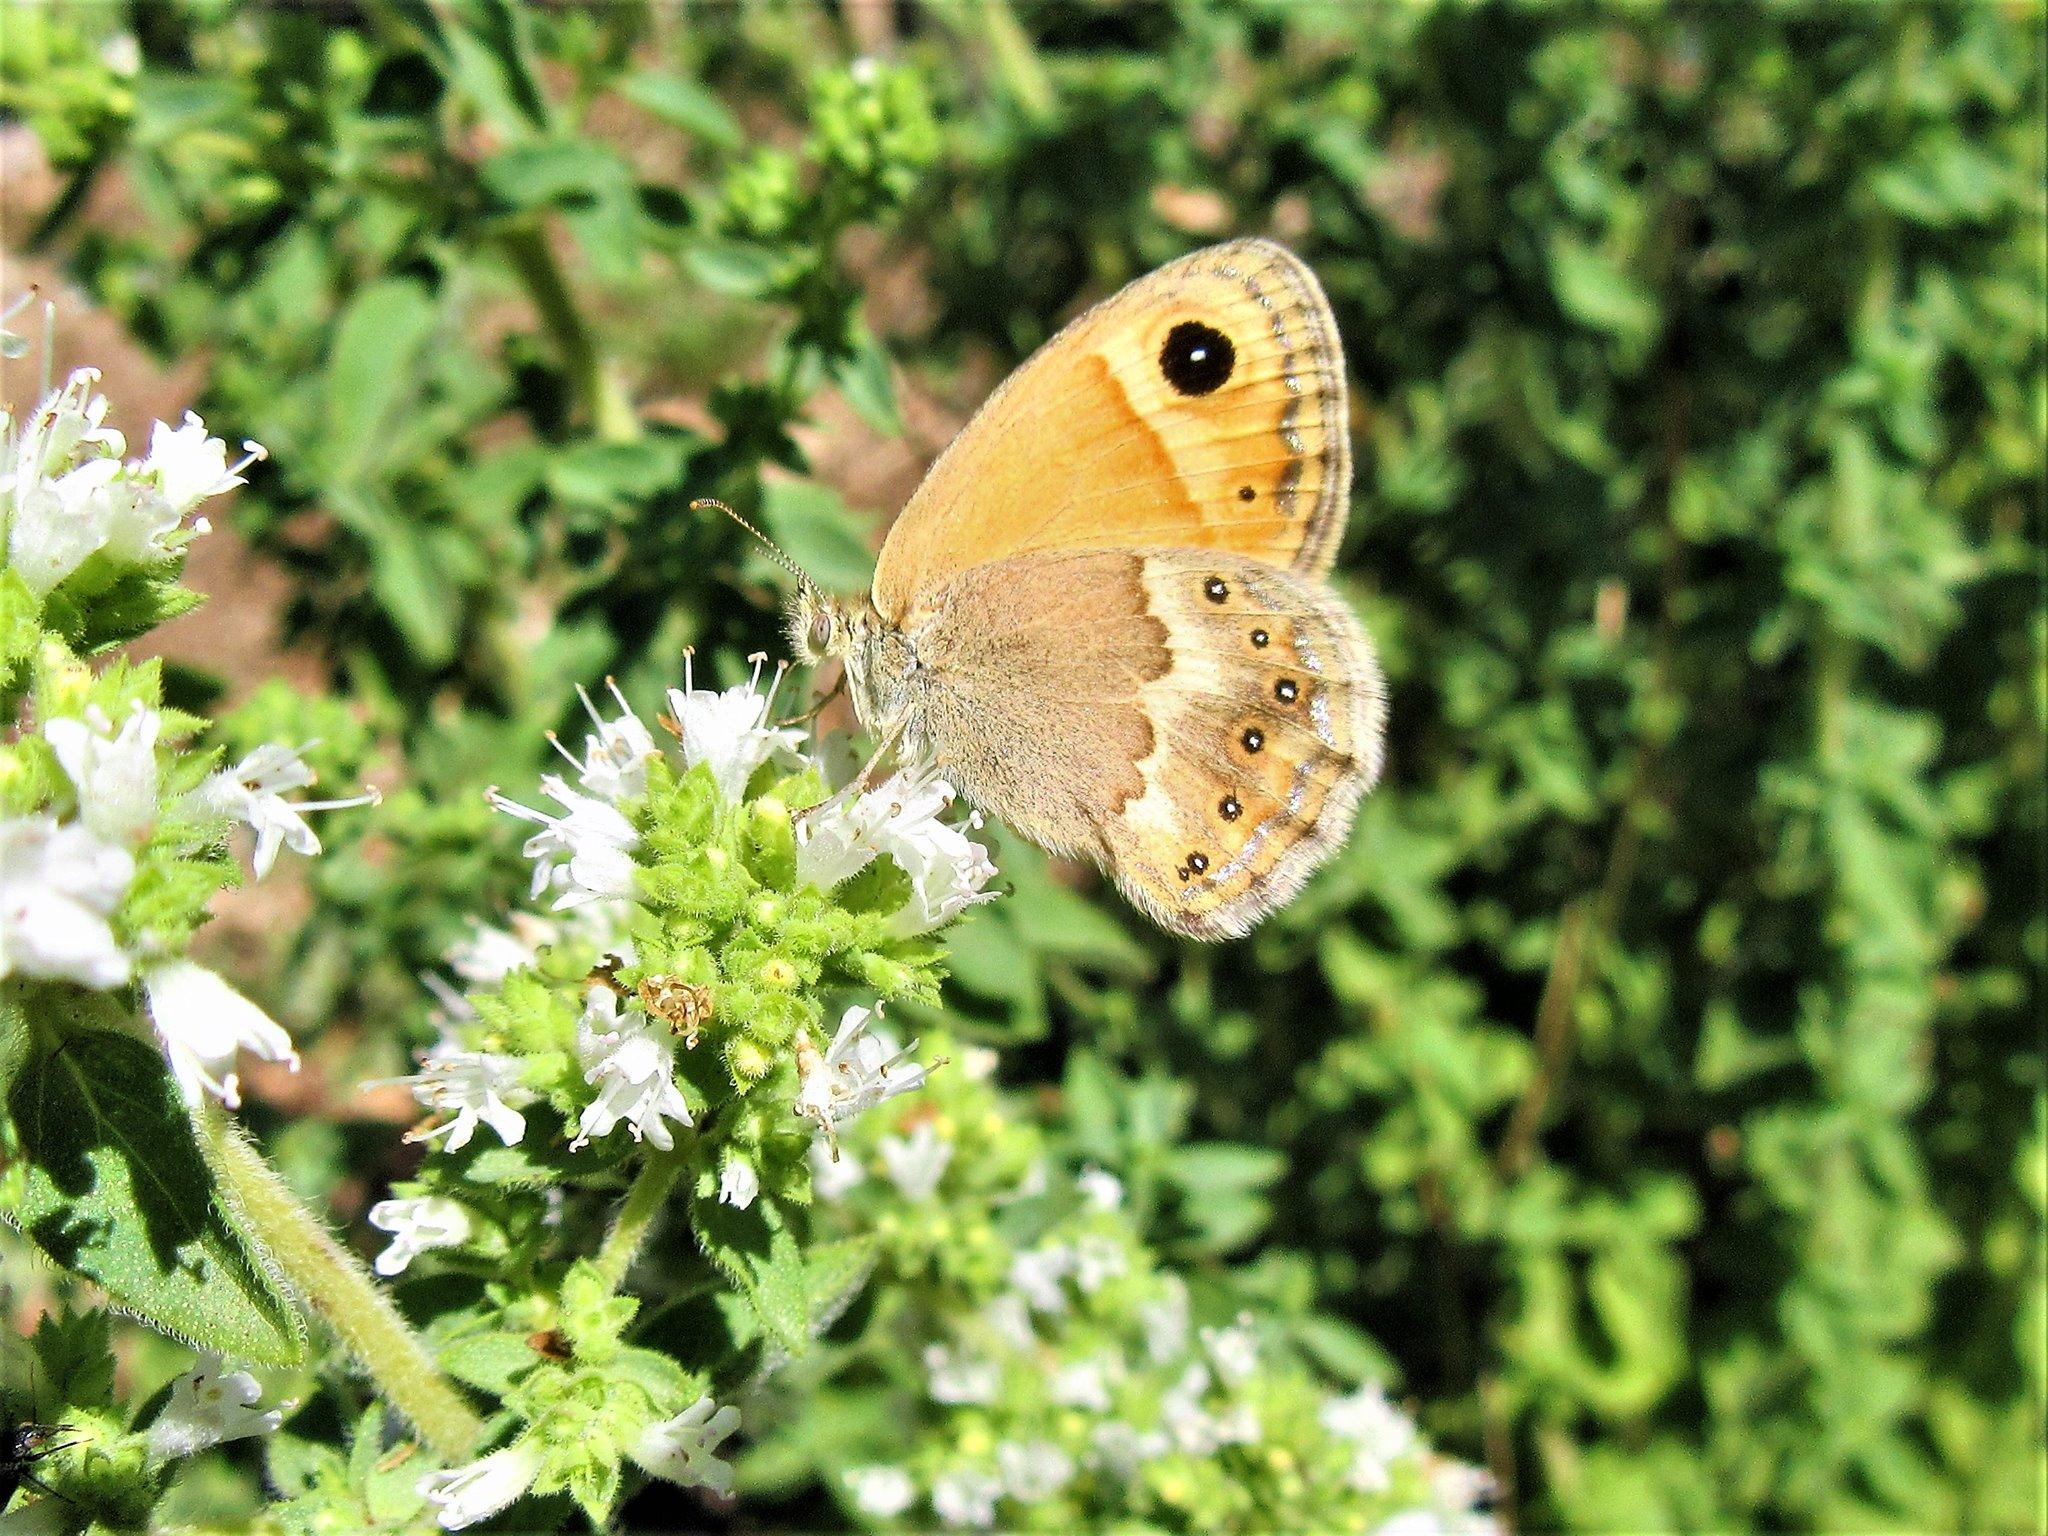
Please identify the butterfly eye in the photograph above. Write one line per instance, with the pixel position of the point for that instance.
(821, 631)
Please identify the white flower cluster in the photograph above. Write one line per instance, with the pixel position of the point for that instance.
(62, 880)
(67, 493)
(949, 872)
(1056, 1386)
(583, 854)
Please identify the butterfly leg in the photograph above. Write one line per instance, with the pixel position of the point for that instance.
(862, 781)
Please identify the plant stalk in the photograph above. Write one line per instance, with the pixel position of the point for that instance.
(597, 386)
(644, 1200)
(335, 1287)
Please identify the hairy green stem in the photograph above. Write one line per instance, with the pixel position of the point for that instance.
(644, 1200)
(598, 388)
(336, 1288)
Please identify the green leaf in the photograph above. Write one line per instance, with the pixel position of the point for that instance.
(116, 1191)
(734, 267)
(19, 628)
(755, 1249)
(1593, 289)
(557, 171)
(864, 379)
(683, 103)
(491, 1361)
(370, 368)
(490, 58)
(614, 475)
(1218, 1167)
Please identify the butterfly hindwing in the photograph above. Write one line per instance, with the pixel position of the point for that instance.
(1200, 723)
(1201, 407)
(1269, 723)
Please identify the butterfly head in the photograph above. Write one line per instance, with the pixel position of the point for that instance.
(878, 658)
(821, 626)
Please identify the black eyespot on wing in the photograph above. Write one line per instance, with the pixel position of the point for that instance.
(1197, 359)
(1246, 493)
(1253, 738)
(1230, 808)
(1216, 589)
(1198, 862)
(1259, 638)
(1286, 690)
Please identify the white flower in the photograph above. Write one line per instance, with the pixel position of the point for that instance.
(960, 1378)
(463, 1496)
(1123, 1448)
(857, 1071)
(253, 791)
(189, 466)
(1038, 1273)
(65, 493)
(1413, 1522)
(917, 1162)
(1458, 1486)
(833, 1172)
(630, 1063)
(615, 755)
(1103, 1190)
(203, 1022)
(58, 887)
(476, 1087)
(966, 1497)
(729, 732)
(584, 854)
(1009, 1318)
(135, 522)
(51, 505)
(209, 1405)
(416, 1225)
(738, 1184)
(884, 1492)
(1033, 1470)
(1083, 1384)
(1165, 1320)
(1234, 1350)
(1380, 1431)
(900, 818)
(681, 1449)
(490, 954)
(114, 772)
(1097, 1261)
(1192, 1427)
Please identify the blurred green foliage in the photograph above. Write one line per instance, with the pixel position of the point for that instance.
(1654, 1077)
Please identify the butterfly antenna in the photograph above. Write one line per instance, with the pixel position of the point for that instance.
(775, 550)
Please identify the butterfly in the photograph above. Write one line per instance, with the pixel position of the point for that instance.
(1103, 615)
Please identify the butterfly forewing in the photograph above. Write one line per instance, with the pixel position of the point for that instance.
(1201, 407)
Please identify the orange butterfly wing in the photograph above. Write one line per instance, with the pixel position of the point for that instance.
(1202, 407)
